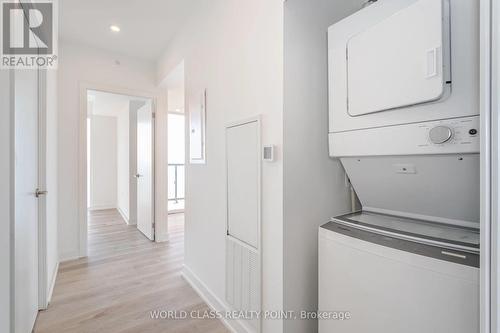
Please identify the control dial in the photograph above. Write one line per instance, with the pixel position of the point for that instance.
(440, 134)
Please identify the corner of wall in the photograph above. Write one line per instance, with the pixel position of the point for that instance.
(52, 283)
(212, 300)
(68, 256)
(124, 216)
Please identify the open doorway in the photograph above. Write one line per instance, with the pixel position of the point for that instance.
(176, 167)
(120, 172)
(176, 148)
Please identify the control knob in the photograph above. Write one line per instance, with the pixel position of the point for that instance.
(440, 134)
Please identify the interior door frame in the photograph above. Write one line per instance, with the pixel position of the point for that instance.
(495, 218)
(490, 104)
(43, 296)
(82, 164)
(490, 134)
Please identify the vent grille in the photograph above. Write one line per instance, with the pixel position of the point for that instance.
(243, 280)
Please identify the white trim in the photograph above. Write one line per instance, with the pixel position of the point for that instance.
(124, 217)
(52, 283)
(495, 166)
(176, 211)
(69, 256)
(82, 173)
(11, 187)
(162, 237)
(42, 185)
(82, 146)
(203, 119)
(154, 232)
(180, 113)
(214, 302)
(485, 172)
(102, 207)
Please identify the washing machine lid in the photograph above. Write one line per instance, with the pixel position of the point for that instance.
(439, 234)
(449, 243)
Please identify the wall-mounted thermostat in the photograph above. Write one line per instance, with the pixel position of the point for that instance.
(268, 153)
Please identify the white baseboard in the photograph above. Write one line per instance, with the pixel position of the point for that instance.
(52, 283)
(68, 256)
(161, 237)
(102, 207)
(124, 217)
(175, 211)
(235, 326)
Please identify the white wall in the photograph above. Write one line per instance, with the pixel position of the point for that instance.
(176, 99)
(103, 162)
(234, 50)
(118, 106)
(5, 200)
(77, 65)
(314, 187)
(123, 155)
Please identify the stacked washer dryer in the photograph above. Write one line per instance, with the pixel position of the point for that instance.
(404, 121)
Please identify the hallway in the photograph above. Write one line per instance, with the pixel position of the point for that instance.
(124, 278)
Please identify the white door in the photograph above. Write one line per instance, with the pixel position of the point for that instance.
(144, 176)
(26, 202)
(243, 182)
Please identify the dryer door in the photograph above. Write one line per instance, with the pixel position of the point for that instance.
(400, 61)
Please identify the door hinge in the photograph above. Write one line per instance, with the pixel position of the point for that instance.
(154, 114)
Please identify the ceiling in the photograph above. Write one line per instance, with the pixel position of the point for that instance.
(146, 25)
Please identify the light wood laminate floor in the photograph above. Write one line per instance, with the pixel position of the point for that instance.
(124, 277)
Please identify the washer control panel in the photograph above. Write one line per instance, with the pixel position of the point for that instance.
(462, 131)
(449, 136)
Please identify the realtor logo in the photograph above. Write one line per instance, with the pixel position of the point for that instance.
(28, 34)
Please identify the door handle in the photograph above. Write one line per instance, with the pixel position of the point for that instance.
(38, 193)
(137, 175)
(432, 62)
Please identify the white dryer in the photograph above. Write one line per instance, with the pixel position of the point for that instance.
(402, 62)
(404, 79)
(404, 121)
